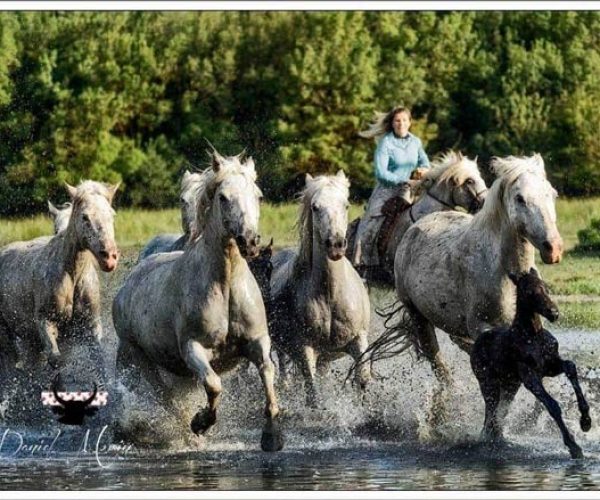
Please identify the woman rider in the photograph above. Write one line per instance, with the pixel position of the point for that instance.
(399, 153)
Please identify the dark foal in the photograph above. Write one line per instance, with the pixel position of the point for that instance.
(524, 353)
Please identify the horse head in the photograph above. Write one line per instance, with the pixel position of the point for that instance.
(93, 221)
(529, 201)
(187, 199)
(455, 181)
(60, 215)
(237, 200)
(532, 295)
(326, 199)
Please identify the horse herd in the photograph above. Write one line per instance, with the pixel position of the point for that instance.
(197, 303)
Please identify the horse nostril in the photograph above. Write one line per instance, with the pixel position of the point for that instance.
(104, 254)
(547, 246)
(241, 241)
(344, 242)
(257, 240)
(114, 255)
(329, 242)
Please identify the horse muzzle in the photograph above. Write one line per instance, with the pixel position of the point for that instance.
(551, 251)
(248, 245)
(476, 204)
(336, 247)
(551, 314)
(108, 260)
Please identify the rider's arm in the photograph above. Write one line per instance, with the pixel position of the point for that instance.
(422, 160)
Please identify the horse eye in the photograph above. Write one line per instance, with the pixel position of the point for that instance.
(520, 199)
(315, 208)
(222, 197)
(470, 182)
(85, 218)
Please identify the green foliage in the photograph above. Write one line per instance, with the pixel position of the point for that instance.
(134, 96)
(589, 238)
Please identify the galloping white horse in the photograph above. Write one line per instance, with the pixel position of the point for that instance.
(44, 287)
(319, 305)
(452, 269)
(196, 313)
(452, 181)
(187, 200)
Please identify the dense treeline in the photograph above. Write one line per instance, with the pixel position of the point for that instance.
(133, 96)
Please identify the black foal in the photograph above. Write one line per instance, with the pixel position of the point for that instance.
(524, 353)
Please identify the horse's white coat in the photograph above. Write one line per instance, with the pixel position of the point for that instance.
(46, 284)
(198, 312)
(320, 307)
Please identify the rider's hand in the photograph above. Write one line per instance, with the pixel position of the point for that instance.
(418, 173)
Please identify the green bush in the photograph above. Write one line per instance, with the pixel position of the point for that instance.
(589, 238)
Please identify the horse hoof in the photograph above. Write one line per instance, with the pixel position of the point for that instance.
(576, 453)
(271, 439)
(585, 423)
(203, 420)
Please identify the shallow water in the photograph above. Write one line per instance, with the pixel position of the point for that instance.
(383, 443)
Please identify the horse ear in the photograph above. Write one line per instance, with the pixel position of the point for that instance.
(534, 272)
(340, 174)
(71, 190)
(513, 278)
(250, 164)
(270, 245)
(112, 191)
(52, 209)
(217, 161)
(186, 175)
(308, 178)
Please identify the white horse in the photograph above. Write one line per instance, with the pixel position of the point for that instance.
(197, 313)
(187, 200)
(60, 215)
(319, 305)
(452, 181)
(45, 295)
(452, 269)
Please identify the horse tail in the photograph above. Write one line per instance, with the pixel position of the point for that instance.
(399, 335)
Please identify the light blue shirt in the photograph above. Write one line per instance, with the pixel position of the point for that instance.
(397, 157)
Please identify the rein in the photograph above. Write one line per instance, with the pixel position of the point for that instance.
(442, 201)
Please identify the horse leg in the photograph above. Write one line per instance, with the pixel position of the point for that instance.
(128, 356)
(308, 365)
(285, 367)
(507, 395)
(259, 353)
(430, 348)
(356, 348)
(571, 372)
(533, 383)
(196, 358)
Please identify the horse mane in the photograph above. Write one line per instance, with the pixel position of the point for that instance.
(313, 186)
(508, 170)
(189, 180)
(209, 180)
(449, 166)
(91, 188)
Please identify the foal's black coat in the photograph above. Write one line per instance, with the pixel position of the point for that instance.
(524, 353)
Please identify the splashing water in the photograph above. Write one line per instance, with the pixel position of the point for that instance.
(379, 442)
